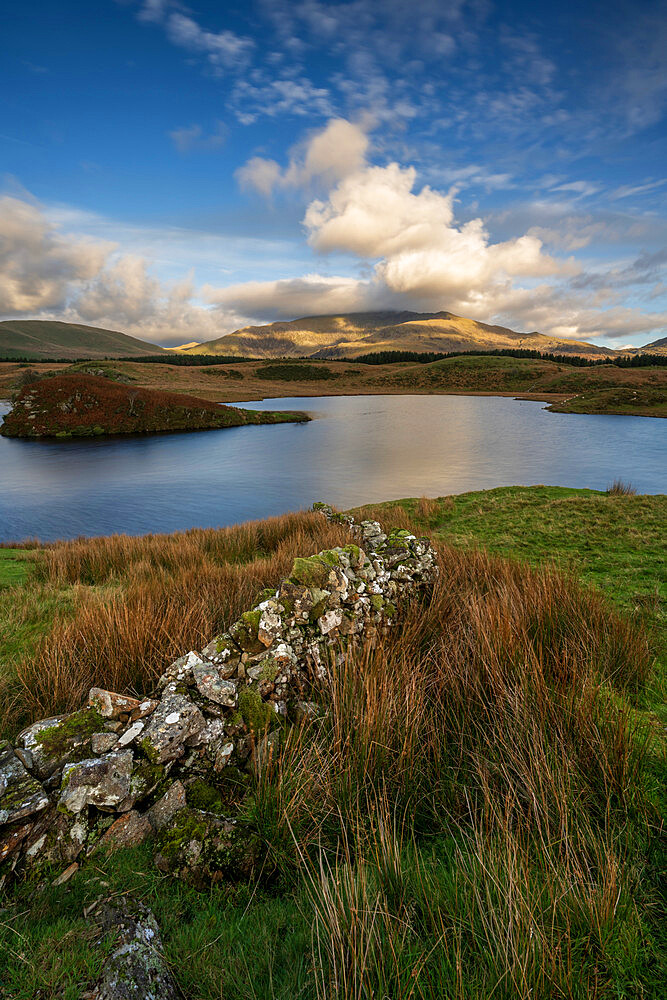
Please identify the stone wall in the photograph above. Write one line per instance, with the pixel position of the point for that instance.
(176, 765)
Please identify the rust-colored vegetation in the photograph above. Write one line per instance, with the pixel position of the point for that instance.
(65, 406)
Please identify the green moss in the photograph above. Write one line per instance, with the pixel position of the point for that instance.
(201, 795)
(149, 750)
(244, 632)
(81, 725)
(258, 715)
(311, 572)
(187, 826)
(270, 669)
(377, 602)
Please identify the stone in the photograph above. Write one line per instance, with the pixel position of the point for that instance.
(103, 782)
(213, 687)
(330, 621)
(174, 721)
(130, 735)
(111, 705)
(21, 795)
(102, 742)
(135, 970)
(128, 830)
(270, 624)
(11, 838)
(51, 742)
(67, 874)
(146, 707)
(164, 810)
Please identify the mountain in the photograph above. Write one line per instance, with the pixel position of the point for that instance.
(184, 347)
(352, 334)
(36, 338)
(657, 347)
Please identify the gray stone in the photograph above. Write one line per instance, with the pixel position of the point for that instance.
(130, 734)
(213, 687)
(45, 760)
(110, 704)
(21, 795)
(135, 970)
(175, 721)
(102, 742)
(103, 782)
(164, 810)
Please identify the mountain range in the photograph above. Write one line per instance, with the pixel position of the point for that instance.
(347, 335)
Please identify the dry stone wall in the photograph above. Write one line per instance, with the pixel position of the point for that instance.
(175, 766)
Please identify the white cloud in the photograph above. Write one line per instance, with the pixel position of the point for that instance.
(329, 155)
(38, 263)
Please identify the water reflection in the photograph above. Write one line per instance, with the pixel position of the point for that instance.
(363, 449)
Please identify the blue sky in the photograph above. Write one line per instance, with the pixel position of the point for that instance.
(176, 171)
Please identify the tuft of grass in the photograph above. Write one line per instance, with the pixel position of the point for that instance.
(621, 489)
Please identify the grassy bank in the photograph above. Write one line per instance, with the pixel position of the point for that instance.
(82, 405)
(478, 814)
(604, 389)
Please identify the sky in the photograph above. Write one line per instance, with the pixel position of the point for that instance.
(178, 171)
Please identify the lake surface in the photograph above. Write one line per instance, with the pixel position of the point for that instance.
(358, 449)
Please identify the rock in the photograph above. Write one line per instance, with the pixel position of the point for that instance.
(128, 830)
(21, 795)
(51, 742)
(103, 742)
(270, 624)
(136, 969)
(330, 621)
(67, 874)
(11, 838)
(164, 810)
(103, 782)
(130, 735)
(213, 687)
(174, 721)
(111, 705)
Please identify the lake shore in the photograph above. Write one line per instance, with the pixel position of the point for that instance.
(566, 388)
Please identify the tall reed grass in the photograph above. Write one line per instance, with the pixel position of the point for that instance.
(467, 810)
(135, 604)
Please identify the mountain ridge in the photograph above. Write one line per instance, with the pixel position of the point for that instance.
(39, 338)
(346, 335)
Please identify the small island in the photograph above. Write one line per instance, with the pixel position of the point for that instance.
(81, 405)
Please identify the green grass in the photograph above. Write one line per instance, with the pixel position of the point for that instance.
(14, 566)
(455, 908)
(614, 543)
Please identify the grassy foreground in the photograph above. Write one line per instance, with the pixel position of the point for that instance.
(479, 814)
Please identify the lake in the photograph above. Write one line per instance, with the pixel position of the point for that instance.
(357, 449)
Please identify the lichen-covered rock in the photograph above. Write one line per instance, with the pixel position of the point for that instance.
(164, 810)
(214, 687)
(103, 782)
(112, 705)
(21, 795)
(205, 848)
(129, 830)
(135, 970)
(175, 721)
(52, 742)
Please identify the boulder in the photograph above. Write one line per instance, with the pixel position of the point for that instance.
(103, 782)
(21, 795)
(175, 721)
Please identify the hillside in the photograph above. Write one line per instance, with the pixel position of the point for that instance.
(66, 406)
(656, 347)
(34, 338)
(347, 336)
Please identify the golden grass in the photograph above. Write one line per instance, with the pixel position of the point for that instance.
(141, 602)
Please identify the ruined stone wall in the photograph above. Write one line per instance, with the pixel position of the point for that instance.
(175, 765)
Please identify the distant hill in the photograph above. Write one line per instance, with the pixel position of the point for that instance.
(657, 347)
(184, 347)
(35, 338)
(353, 334)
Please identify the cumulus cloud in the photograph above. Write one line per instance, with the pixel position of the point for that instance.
(37, 263)
(328, 156)
(312, 294)
(48, 273)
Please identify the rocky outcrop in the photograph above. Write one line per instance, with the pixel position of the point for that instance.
(175, 766)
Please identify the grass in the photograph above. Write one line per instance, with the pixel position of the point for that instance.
(14, 566)
(604, 389)
(114, 611)
(477, 815)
